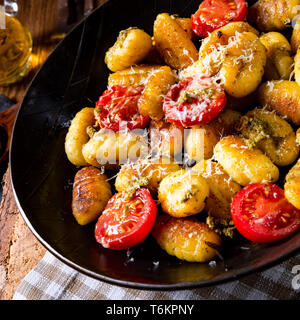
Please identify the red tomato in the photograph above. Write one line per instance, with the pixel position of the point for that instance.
(194, 101)
(117, 108)
(262, 214)
(125, 223)
(214, 14)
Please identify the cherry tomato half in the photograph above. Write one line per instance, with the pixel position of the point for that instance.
(262, 214)
(194, 101)
(117, 108)
(214, 14)
(125, 223)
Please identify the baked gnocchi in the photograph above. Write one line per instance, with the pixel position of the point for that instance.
(271, 134)
(183, 193)
(236, 56)
(91, 192)
(279, 56)
(244, 164)
(133, 76)
(283, 97)
(273, 15)
(187, 239)
(157, 85)
(77, 136)
(171, 41)
(132, 46)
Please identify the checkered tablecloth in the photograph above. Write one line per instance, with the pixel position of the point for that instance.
(52, 279)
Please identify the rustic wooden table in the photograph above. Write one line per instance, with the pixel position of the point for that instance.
(19, 250)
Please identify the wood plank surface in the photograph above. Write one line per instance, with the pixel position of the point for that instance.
(19, 250)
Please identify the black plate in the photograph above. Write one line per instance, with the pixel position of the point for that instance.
(73, 77)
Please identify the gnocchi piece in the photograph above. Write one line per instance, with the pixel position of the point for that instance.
(166, 138)
(187, 239)
(213, 48)
(157, 85)
(244, 164)
(236, 56)
(131, 47)
(279, 58)
(241, 73)
(132, 76)
(110, 149)
(292, 185)
(201, 141)
(77, 136)
(283, 97)
(172, 42)
(295, 39)
(144, 173)
(183, 193)
(272, 135)
(273, 15)
(221, 189)
(91, 192)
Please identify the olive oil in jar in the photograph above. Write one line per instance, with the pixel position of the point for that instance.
(15, 51)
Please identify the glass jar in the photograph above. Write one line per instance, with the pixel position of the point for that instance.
(15, 46)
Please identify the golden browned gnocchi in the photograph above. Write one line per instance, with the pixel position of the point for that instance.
(221, 188)
(172, 42)
(292, 185)
(183, 193)
(244, 164)
(272, 135)
(273, 15)
(187, 239)
(279, 56)
(131, 47)
(91, 192)
(283, 97)
(144, 173)
(111, 149)
(166, 138)
(241, 74)
(133, 76)
(77, 136)
(156, 87)
(238, 58)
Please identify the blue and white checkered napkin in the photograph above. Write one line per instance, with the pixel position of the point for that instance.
(52, 279)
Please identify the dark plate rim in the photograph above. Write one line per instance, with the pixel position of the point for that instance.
(123, 283)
